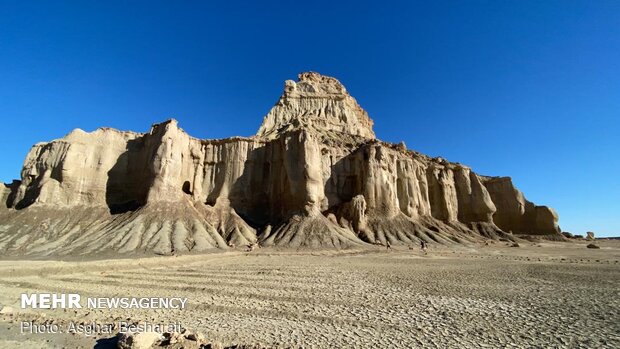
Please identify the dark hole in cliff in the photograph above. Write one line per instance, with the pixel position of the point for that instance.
(12, 192)
(128, 184)
(187, 189)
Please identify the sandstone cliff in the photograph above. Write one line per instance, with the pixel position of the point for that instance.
(313, 176)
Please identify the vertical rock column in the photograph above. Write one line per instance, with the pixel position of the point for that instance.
(442, 193)
(412, 188)
(302, 164)
(169, 143)
(515, 213)
(474, 201)
(198, 157)
(380, 181)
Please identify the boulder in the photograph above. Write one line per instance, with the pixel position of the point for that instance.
(139, 340)
(568, 235)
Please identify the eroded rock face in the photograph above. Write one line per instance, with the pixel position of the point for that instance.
(515, 213)
(313, 176)
(317, 102)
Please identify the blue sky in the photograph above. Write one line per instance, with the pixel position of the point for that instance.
(528, 89)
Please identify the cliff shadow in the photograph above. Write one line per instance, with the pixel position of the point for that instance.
(255, 194)
(346, 178)
(129, 179)
(11, 190)
(262, 194)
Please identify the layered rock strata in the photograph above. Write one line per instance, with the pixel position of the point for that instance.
(313, 176)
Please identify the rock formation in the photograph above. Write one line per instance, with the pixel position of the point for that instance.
(318, 103)
(313, 176)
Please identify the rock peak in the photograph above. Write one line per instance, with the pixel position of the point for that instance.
(317, 102)
(318, 78)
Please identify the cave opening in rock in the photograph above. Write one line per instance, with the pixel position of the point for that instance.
(187, 189)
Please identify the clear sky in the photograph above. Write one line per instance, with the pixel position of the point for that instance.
(528, 89)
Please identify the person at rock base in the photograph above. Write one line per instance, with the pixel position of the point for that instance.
(423, 246)
(388, 246)
(252, 246)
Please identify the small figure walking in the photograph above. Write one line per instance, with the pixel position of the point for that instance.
(423, 246)
(388, 246)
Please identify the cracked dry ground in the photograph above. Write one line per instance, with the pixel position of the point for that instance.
(534, 296)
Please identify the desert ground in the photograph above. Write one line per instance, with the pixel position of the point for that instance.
(541, 295)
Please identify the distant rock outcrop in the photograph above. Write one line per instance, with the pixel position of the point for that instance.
(313, 176)
(514, 213)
